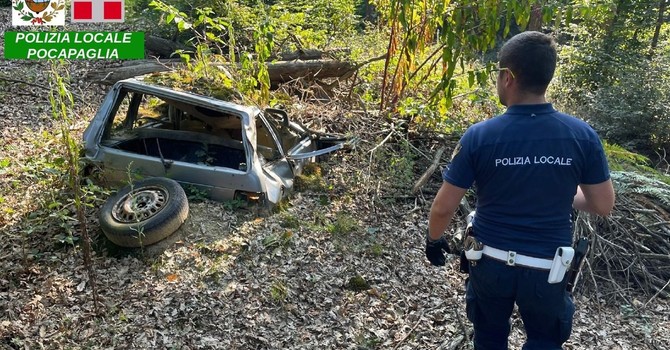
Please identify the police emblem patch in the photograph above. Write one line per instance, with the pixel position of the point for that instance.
(456, 150)
(38, 12)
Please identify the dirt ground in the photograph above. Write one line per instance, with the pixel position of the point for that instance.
(339, 268)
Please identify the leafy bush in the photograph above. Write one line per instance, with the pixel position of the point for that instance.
(623, 96)
(620, 159)
(297, 24)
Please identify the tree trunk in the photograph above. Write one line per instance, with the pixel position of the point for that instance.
(609, 41)
(309, 54)
(662, 4)
(110, 76)
(535, 22)
(285, 71)
(161, 47)
(280, 72)
(164, 48)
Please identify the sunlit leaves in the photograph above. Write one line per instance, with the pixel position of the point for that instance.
(611, 79)
(464, 30)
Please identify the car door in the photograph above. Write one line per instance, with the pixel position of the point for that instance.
(298, 144)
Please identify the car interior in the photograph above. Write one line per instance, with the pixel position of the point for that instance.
(173, 130)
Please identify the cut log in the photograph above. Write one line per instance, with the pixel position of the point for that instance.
(280, 72)
(309, 54)
(161, 47)
(167, 61)
(110, 76)
(285, 71)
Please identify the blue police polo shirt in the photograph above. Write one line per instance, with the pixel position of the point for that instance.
(526, 165)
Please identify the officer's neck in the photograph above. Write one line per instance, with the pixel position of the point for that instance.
(513, 95)
(525, 99)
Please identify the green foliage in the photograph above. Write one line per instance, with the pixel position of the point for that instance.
(393, 165)
(276, 241)
(62, 102)
(51, 209)
(289, 221)
(608, 77)
(263, 43)
(621, 159)
(324, 200)
(434, 59)
(295, 24)
(313, 23)
(205, 72)
(343, 224)
(310, 180)
(367, 341)
(278, 291)
(195, 194)
(625, 98)
(282, 206)
(248, 33)
(376, 249)
(627, 183)
(358, 284)
(157, 20)
(234, 204)
(463, 32)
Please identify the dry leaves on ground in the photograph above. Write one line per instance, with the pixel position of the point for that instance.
(339, 269)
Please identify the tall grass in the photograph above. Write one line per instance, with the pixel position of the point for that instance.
(62, 105)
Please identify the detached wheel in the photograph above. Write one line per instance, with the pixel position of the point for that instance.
(144, 213)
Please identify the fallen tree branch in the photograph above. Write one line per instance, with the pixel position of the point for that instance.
(429, 172)
(456, 343)
(112, 75)
(370, 60)
(630, 248)
(416, 324)
(309, 54)
(657, 293)
(279, 71)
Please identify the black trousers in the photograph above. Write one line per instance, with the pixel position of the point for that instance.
(493, 289)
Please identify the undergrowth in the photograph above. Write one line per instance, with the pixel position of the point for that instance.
(626, 162)
(628, 182)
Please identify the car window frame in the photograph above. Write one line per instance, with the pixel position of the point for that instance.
(132, 94)
(273, 133)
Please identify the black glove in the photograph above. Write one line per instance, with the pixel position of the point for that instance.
(435, 249)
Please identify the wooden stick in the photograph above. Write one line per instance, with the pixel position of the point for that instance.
(429, 172)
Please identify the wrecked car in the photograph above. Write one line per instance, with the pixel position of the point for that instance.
(222, 149)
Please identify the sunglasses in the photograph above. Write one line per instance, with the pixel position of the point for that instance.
(498, 70)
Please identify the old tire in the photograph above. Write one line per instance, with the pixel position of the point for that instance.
(144, 213)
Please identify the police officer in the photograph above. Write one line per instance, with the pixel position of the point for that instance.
(530, 167)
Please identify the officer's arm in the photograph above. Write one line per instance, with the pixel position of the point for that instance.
(447, 200)
(596, 199)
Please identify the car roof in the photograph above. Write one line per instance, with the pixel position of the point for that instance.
(139, 84)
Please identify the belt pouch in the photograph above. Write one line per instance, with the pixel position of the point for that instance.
(464, 263)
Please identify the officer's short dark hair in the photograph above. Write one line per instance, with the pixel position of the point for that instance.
(531, 56)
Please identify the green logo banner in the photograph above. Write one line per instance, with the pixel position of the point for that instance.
(74, 45)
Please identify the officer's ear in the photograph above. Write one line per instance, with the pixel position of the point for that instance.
(508, 77)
